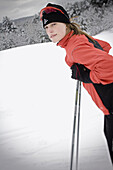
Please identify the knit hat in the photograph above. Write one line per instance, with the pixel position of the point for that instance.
(53, 13)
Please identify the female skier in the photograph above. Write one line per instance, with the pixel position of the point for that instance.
(88, 59)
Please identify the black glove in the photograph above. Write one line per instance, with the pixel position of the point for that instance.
(80, 72)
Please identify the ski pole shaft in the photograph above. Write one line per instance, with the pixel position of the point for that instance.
(78, 128)
(74, 124)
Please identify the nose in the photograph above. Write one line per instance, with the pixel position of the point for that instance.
(50, 30)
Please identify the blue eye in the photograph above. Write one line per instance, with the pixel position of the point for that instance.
(53, 24)
(45, 27)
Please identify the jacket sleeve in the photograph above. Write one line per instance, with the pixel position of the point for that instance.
(99, 62)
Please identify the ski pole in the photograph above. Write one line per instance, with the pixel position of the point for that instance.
(78, 90)
(78, 127)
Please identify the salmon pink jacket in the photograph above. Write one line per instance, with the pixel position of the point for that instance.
(100, 63)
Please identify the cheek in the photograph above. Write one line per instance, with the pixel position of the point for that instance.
(63, 33)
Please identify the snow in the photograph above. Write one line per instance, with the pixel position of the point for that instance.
(37, 99)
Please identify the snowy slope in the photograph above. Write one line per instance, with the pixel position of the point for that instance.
(36, 112)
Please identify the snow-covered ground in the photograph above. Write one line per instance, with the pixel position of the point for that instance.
(36, 112)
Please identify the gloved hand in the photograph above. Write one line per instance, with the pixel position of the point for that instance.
(80, 72)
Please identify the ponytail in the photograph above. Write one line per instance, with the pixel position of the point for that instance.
(77, 30)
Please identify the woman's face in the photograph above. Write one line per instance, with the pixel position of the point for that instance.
(56, 31)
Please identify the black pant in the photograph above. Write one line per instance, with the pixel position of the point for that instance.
(108, 130)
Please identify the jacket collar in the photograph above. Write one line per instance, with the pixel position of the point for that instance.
(64, 41)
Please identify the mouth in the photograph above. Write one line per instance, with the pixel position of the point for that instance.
(53, 35)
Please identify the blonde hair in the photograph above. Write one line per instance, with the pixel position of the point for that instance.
(77, 30)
